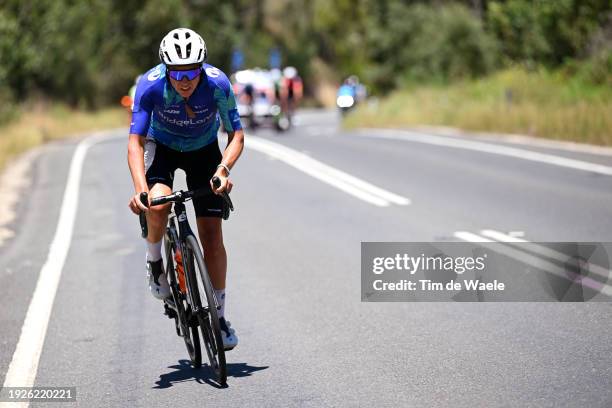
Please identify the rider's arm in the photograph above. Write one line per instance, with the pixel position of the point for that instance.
(299, 88)
(226, 104)
(136, 162)
(235, 145)
(141, 117)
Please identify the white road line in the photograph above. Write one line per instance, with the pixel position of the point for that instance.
(500, 236)
(327, 174)
(489, 148)
(24, 365)
(542, 250)
(532, 260)
(469, 237)
(517, 139)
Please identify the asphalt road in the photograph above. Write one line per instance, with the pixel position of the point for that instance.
(306, 339)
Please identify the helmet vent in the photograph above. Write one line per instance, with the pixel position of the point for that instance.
(176, 36)
(199, 55)
(167, 56)
(187, 34)
(188, 49)
(178, 51)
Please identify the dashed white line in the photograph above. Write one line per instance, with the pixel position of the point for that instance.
(343, 181)
(469, 237)
(500, 236)
(542, 250)
(530, 259)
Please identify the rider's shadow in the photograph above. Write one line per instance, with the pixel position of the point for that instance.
(183, 371)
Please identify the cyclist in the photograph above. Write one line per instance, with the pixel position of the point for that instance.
(292, 90)
(176, 115)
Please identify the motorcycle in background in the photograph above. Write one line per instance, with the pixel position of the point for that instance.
(350, 93)
(345, 99)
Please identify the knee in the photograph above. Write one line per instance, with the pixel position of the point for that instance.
(158, 214)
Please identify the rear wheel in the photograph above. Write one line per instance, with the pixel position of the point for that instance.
(208, 318)
(187, 326)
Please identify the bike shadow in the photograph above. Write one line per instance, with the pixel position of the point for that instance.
(183, 372)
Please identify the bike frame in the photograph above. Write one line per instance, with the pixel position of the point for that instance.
(179, 237)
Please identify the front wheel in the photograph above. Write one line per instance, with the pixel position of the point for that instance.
(185, 327)
(208, 317)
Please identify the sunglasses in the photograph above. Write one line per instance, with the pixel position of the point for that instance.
(190, 75)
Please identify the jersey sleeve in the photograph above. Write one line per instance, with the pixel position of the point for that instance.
(226, 103)
(141, 109)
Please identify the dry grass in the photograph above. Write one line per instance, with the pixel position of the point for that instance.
(539, 104)
(39, 124)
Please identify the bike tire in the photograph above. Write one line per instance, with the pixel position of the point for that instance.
(189, 331)
(209, 320)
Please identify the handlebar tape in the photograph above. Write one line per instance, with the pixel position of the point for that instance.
(144, 229)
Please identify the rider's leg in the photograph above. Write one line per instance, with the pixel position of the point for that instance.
(211, 236)
(157, 217)
(215, 256)
(199, 167)
(160, 164)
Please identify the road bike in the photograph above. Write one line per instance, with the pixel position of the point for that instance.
(192, 303)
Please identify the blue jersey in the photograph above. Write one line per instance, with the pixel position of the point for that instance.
(346, 90)
(159, 111)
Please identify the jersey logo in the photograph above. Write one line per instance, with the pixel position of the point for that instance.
(213, 72)
(154, 74)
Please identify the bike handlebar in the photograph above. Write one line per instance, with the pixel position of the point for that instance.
(180, 196)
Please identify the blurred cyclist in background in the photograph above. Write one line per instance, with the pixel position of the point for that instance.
(128, 100)
(277, 78)
(292, 90)
(359, 90)
(132, 91)
(178, 107)
(350, 94)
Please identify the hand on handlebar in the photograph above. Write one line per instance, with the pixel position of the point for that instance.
(216, 183)
(136, 204)
(224, 185)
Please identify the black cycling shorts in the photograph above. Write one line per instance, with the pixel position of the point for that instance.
(199, 165)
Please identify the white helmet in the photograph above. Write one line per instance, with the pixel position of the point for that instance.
(182, 46)
(290, 72)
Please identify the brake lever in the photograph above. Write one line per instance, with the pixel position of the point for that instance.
(217, 183)
(144, 228)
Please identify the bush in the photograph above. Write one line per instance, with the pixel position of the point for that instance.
(596, 70)
(544, 31)
(433, 43)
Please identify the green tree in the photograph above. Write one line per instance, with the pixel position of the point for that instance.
(421, 42)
